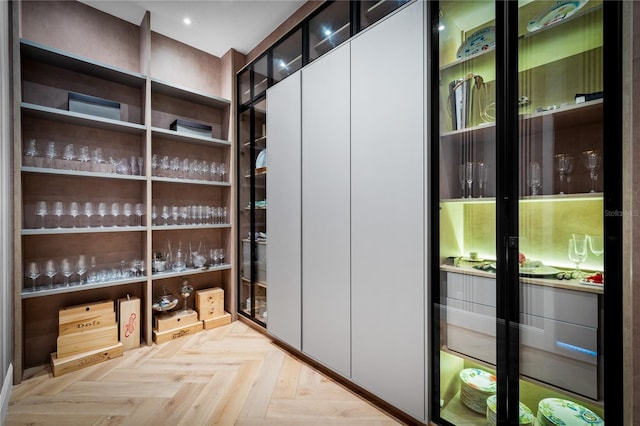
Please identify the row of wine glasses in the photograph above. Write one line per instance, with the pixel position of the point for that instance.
(177, 258)
(85, 268)
(564, 163)
(74, 214)
(468, 173)
(188, 215)
(186, 168)
(82, 158)
(577, 248)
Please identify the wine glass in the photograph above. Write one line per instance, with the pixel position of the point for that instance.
(81, 267)
(69, 152)
(564, 166)
(58, 210)
(140, 210)
(33, 272)
(154, 165)
(166, 213)
(213, 171)
(67, 269)
(577, 250)
(102, 212)
(175, 214)
(127, 211)
(133, 164)
(221, 256)
(482, 177)
(184, 168)
(84, 154)
(74, 211)
(535, 178)
(184, 215)
(592, 163)
(140, 166)
(154, 215)
(50, 270)
(88, 212)
(42, 211)
(213, 254)
(115, 212)
(51, 153)
(31, 150)
(222, 170)
(468, 175)
(596, 245)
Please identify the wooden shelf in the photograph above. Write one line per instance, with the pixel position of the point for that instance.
(92, 230)
(172, 274)
(189, 181)
(52, 56)
(83, 287)
(188, 94)
(63, 116)
(62, 172)
(185, 227)
(586, 196)
(183, 137)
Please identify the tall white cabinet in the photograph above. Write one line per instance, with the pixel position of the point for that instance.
(326, 270)
(284, 304)
(360, 167)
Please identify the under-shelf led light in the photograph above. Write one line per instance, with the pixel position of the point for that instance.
(187, 21)
(327, 32)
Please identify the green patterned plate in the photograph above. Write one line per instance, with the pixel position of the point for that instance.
(561, 412)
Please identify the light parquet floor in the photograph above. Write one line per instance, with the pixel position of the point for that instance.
(231, 375)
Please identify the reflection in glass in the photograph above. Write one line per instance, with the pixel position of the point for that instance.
(329, 28)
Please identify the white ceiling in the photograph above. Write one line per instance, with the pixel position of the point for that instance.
(216, 25)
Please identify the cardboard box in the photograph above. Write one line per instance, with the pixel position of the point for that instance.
(60, 366)
(176, 333)
(129, 322)
(210, 303)
(217, 322)
(93, 105)
(191, 128)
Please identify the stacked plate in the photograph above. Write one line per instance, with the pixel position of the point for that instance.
(526, 416)
(475, 387)
(556, 412)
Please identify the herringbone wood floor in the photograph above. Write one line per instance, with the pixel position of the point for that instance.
(231, 375)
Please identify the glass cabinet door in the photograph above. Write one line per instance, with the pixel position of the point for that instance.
(253, 211)
(561, 245)
(467, 214)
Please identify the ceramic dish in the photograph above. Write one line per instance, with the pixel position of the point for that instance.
(538, 271)
(561, 412)
(475, 387)
(526, 416)
(477, 42)
(556, 13)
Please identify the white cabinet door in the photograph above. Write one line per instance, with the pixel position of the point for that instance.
(387, 210)
(284, 211)
(326, 272)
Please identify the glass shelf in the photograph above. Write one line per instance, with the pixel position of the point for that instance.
(96, 230)
(173, 274)
(63, 172)
(80, 287)
(179, 227)
(189, 181)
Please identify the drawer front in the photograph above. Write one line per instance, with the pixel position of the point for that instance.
(575, 307)
(471, 288)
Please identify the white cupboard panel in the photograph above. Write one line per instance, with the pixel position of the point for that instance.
(284, 211)
(326, 273)
(387, 210)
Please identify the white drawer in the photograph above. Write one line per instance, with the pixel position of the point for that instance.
(576, 307)
(471, 288)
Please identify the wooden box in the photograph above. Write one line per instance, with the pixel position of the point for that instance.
(176, 333)
(88, 340)
(218, 321)
(60, 366)
(173, 320)
(210, 303)
(129, 322)
(85, 312)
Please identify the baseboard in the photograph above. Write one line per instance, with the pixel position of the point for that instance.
(5, 394)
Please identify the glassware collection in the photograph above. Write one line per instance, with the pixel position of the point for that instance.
(164, 215)
(186, 168)
(177, 258)
(75, 214)
(471, 172)
(83, 158)
(78, 270)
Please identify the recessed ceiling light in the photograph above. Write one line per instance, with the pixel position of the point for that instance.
(187, 21)
(327, 32)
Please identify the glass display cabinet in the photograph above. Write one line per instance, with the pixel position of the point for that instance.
(519, 125)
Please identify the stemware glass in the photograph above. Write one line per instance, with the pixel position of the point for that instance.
(184, 168)
(592, 163)
(133, 165)
(74, 211)
(577, 251)
(102, 212)
(51, 153)
(213, 254)
(221, 256)
(67, 269)
(596, 245)
(33, 272)
(154, 165)
(175, 167)
(184, 215)
(175, 214)
(154, 215)
(140, 166)
(98, 157)
(482, 178)
(222, 170)
(81, 268)
(468, 175)
(535, 178)
(164, 166)
(42, 211)
(58, 211)
(84, 154)
(88, 212)
(115, 212)
(69, 152)
(462, 180)
(213, 171)
(140, 210)
(564, 166)
(127, 211)
(31, 150)
(50, 270)
(166, 214)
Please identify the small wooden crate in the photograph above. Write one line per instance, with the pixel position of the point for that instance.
(218, 321)
(210, 303)
(176, 333)
(173, 320)
(129, 320)
(60, 366)
(88, 340)
(85, 314)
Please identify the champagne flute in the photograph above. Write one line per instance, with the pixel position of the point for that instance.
(50, 270)
(578, 251)
(213, 170)
(74, 211)
(468, 174)
(67, 269)
(81, 267)
(140, 166)
(564, 166)
(535, 178)
(592, 163)
(33, 272)
(42, 211)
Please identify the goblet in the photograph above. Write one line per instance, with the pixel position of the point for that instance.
(578, 251)
(592, 163)
(42, 211)
(564, 167)
(535, 178)
(81, 268)
(50, 270)
(67, 269)
(84, 154)
(33, 272)
(185, 291)
(74, 211)
(69, 152)
(98, 158)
